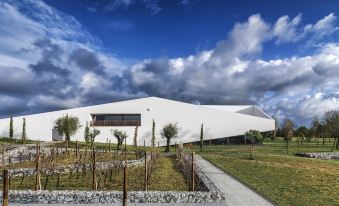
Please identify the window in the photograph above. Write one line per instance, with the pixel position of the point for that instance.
(116, 120)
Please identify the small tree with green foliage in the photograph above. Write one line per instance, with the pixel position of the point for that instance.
(254, 136)
(287, 130)
(331, 119)
(86, 135)
(11, 127)
(120, 135)
(303, 132)
(67, 126)
(92, 134)
(318, 128)
(276, 127)
(135, 139)
(23, 134)
(153, 134)
(201, 137)
(169, 131)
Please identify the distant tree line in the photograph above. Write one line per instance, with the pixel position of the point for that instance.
(321, 127)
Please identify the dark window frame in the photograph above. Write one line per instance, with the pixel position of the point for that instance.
(115, 122)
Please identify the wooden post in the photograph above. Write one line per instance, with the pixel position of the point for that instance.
(144, 144)
(94, 178)
(76, 149)
(175, 148)
(252, 150)
(158, 144)
(145, 171)
(58, 181)
(37, 166)
(192, 172)
(106, 148)
(4, 158)
(109, 146)
(5, 188)
(125, 178)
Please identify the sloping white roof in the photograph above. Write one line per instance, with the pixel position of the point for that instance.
(242, 109)
(229, 108)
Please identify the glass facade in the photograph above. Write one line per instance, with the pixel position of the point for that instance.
(116, 120)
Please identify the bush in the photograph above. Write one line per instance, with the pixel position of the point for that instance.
(254, 136)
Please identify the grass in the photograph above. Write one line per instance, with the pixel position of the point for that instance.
(84, 181)
(7, 140)
(282, 177)
(165, 176)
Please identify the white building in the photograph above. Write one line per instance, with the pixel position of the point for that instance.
(219, 122)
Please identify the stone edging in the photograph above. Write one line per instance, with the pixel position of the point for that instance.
(90, 197)
(68, 168)
(210, 186)
(320, 155)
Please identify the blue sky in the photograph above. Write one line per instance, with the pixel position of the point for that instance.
(180, 28)
(280, 55)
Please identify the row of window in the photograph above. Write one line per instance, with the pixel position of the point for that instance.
(116, 120)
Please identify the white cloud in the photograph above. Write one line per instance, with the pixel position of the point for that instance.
(286, 29)
(63, 66)
(41, 41)
(290, 30)
(231, 74)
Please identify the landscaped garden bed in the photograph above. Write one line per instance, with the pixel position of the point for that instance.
(166, 183)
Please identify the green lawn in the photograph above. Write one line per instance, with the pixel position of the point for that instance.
(281, 176)
(166, 176)
(7, 140)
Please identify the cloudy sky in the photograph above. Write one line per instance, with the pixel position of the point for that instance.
(283, 57)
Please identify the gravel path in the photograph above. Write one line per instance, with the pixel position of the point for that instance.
(237, 194)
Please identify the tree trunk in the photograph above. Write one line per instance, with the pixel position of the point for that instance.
(46, 182)
(118, 145)
(168, 145)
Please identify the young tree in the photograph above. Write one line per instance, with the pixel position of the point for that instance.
(318, 128)
(287, 131)
(67, 126)
(201, 137)
(23, 134)
(120, 135)
(86, 135)
(92, 134)
(331, 119)
(153, 134)
(135, 140)
(11, 127)
(253, 136)
(302, 131)
(169, 131)
(275, 131)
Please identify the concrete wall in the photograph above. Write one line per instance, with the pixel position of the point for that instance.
(217, 123)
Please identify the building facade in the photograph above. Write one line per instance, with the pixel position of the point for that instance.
(220, 121)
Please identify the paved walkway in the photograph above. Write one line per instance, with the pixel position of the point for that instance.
(237, 194)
